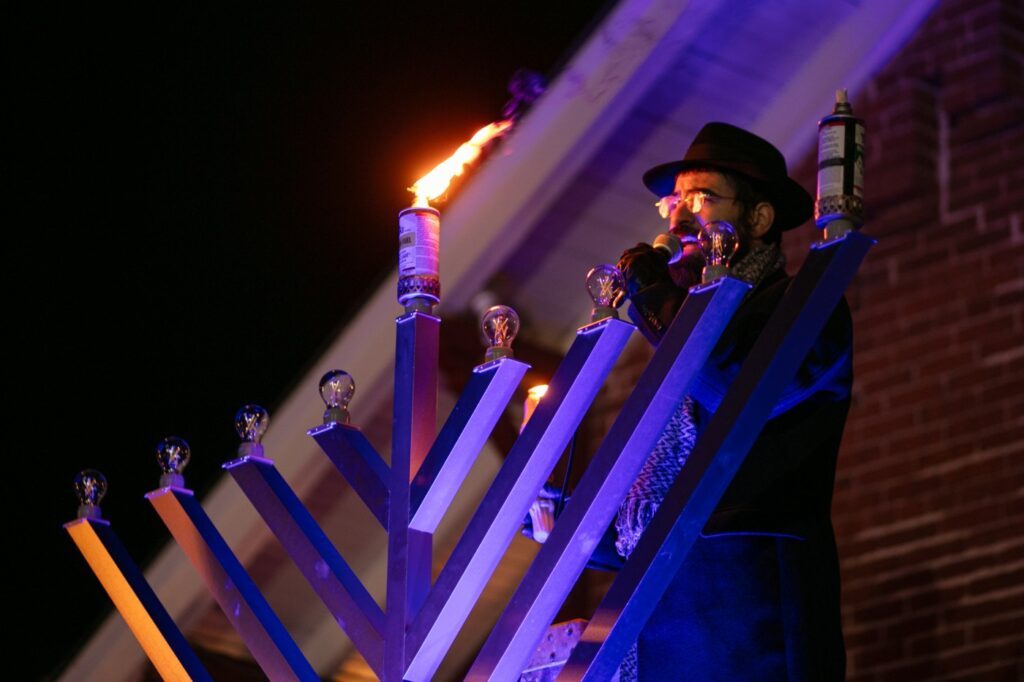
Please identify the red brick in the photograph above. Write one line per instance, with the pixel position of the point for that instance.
(932, 643)
(965, 613)
(937, 600)
(978, 656)
(854, 675)
(916, 670)
(999, 581)
(891, 562)
(1009, 385)
(991, 112)
(998, 628)
(988, 159)
(981, 150)
(997, 671)
(1000, 436)
(885, 653)
(974, 192)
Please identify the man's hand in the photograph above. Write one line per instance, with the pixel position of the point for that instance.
(642, 267)
(652, 290)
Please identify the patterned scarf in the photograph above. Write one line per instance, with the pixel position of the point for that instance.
(675, 444)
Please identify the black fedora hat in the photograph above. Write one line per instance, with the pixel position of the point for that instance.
(725, 147)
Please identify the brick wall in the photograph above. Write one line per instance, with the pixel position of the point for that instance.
(929, 504)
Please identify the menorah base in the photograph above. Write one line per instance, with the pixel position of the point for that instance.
(553, 651)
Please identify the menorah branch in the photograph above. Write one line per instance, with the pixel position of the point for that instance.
(414, 415)
(141, 609)
(230, 585)
(461, 438)
(317, 559)
(500, 514)
(667, 378)
(357, 460)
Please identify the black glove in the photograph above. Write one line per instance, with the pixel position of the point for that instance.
(654, 296)
(642, 267)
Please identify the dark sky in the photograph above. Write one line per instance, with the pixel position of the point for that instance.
(199, 198)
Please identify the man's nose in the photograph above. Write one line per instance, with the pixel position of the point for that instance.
(682, 219)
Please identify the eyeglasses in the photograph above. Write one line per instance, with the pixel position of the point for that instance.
(693, 199)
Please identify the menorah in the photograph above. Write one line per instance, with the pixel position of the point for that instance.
(408, 639)
(410, 494)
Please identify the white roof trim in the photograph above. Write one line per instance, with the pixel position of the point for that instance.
(844, 58)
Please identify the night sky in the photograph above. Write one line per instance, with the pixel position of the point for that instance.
(200, 199)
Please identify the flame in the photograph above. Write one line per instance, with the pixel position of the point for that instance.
(433, 184)
(533, 397)
(537, 392)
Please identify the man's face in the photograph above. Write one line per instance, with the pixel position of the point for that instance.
(718, 203)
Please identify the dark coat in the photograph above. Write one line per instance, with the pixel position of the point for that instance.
(785, 484)
(758, 596)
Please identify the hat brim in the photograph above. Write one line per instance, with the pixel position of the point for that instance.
(793, 205)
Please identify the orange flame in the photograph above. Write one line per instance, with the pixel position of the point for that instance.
(433, 184)
(533, 397)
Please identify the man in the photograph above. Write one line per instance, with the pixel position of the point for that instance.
(758, 595)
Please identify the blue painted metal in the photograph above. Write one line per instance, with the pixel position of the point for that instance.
(414, 421)
(318, 560)
(358, 461)
(461, 438)
(500, 514)
(677, 361)
(239, 598)
(409, 497)
(172, 640)
(717, 456)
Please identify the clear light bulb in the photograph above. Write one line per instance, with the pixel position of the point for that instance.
(606, 286)
(336, 390)
(251, 423)
(90, 487)
(172, 454)
(719, 242)
(500, 325)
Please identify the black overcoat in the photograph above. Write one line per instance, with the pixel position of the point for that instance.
(758, 596)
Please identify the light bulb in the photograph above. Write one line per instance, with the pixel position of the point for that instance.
(336, 389)
(251, 423)
(500, 325)
(90, 487)
(606, 286)
(719, 242)
(172, 454)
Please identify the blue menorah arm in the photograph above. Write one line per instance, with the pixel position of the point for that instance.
(414, 424)
(461, 438)
(358, 461)
(718, 454)
(679, 357)
(313, 553)
(145, 615)
(268, 641)
(500, 513)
